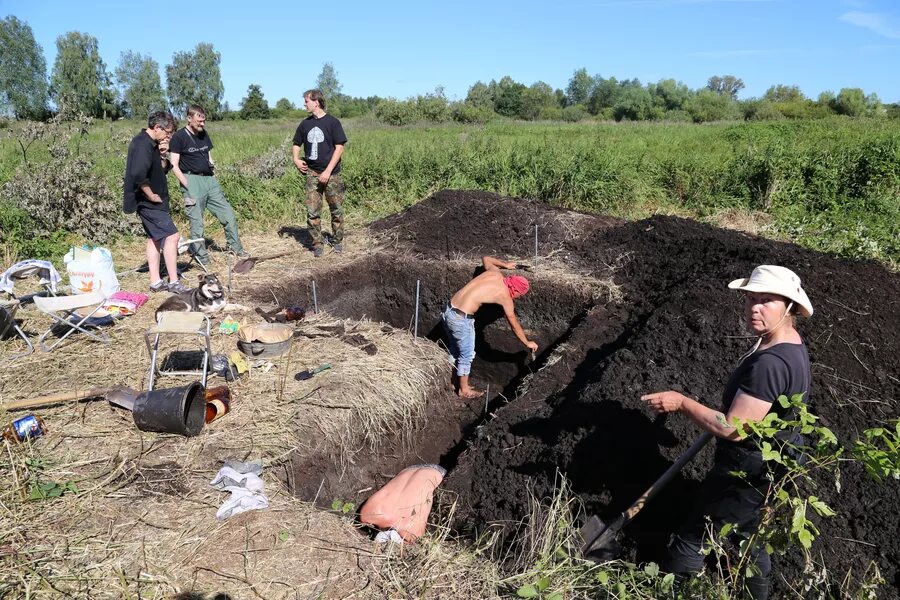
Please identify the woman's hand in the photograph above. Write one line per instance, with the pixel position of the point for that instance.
(665, 402)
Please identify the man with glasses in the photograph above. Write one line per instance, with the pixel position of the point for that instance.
(147, 194)
(192, 164)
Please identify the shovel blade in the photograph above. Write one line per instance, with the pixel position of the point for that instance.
(303, 376)
(244, 265)
(590, 532)
(598, 540)
(122, 396)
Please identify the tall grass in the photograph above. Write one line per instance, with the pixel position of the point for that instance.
(831, 184)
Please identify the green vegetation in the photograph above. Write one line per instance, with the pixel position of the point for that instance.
(140, 86)
(547, 566)
(829, 184)
(23, 71)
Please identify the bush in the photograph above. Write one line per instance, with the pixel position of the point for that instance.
(761, 110)
(269, 165)
(574, 113)
(70, 196)
(707, 106)
(433, 108)
(469, 114)
(397, 112)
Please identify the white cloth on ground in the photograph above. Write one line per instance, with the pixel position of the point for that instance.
(26, 268)
(390, 535)
(246, 487)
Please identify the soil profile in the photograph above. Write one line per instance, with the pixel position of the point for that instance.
(677, 326)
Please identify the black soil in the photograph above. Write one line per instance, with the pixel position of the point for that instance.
(677, 327)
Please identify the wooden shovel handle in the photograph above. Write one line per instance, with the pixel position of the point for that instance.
(271, 256)
(54, 398)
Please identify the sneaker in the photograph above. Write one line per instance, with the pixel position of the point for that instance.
(159, 286)
(318, 251)
(178, 288)
(338, 247)
(241, 253)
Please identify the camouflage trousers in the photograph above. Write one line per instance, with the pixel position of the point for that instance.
(333, 193)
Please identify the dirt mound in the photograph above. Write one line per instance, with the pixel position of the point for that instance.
(678, 327)
(460, 224)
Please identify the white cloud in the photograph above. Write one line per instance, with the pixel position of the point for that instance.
(880, 23)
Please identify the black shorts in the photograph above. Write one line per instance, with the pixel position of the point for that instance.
(157, 223)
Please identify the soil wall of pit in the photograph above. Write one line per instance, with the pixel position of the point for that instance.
(383, 288)
(677, 327)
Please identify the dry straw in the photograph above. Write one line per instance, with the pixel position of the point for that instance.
(136, 514)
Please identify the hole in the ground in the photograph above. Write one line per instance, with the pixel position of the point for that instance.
(383, 288)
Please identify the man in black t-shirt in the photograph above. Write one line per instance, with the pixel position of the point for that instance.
(192, 164)
(146, 192)
(322, 138)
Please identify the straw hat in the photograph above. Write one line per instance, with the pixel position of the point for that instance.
(775, 280)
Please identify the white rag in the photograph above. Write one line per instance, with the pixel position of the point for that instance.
(391, 535)
(247, 492)
(26, 268)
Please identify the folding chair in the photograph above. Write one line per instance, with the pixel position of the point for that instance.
(194, 324)
(62, 310)
(8, 310)
(187, 246)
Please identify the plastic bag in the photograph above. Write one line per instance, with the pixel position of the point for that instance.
(91, 271)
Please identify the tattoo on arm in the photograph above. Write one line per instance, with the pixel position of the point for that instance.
(722, 421)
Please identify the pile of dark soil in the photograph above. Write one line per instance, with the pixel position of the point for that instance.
(678, 327)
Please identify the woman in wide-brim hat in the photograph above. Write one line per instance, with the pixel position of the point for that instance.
(778, 365)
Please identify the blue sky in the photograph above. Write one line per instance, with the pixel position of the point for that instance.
(406, 48)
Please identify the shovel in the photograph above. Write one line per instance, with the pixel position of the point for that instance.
(304, 375)
(599, 539)
(245, 264)
(524, 267)
(119, 395)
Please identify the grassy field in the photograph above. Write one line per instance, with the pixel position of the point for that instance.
(833, 185)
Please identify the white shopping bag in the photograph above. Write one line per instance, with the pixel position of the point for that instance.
(91, 271)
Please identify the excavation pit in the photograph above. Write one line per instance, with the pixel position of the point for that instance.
(383, 288)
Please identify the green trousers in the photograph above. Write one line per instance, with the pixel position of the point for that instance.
(205, 192)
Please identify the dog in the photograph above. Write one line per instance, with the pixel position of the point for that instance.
(208, 297)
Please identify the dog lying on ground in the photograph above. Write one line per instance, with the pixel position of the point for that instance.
(208, 297)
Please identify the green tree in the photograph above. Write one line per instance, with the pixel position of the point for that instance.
(707, 105)
(23, 71)
(850, 102)
(536, 99)
(138, 79)
(727, 85)
(634, 104)
(481, 95)
(784, 93)
(79, 82)
(254, 106)
(669, 94)
(579, 89)
(194, 78)
(327, 81)
(605, 94)
(509, 97)
(285, 105)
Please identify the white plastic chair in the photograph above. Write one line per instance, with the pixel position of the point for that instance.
(62, 310)
(8, 310)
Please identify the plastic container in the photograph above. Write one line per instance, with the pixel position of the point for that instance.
(180, 410)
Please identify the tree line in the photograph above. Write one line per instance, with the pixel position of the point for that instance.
(80, 83)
